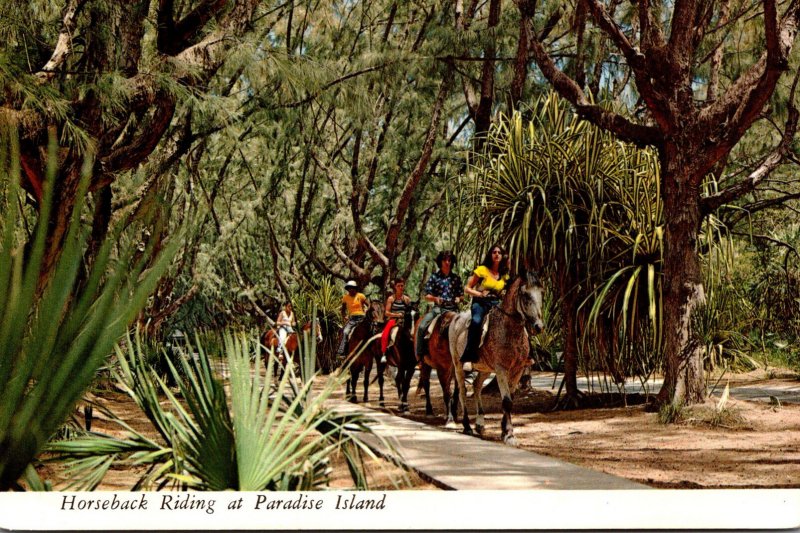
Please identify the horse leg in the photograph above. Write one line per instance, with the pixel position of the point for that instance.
(355, 370)
(506, 426)
(367, 372)
(477, 387)
(408, 373)
(461, 393)
(451, 400)
(425, 384)
(381, 370)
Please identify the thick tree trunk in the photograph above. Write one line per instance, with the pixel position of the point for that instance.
(570, 349)
(65, 197)
(567, 286)
(683, 281)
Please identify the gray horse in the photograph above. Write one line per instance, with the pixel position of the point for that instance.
(504, 349)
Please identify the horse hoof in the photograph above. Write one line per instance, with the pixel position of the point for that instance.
(352, 399)
(468, 431)
(450, 425)
(403, 407)
(510, 440)
(479, 429)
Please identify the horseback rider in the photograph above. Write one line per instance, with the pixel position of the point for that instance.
(285, 323)
(354, 310)
(444, 290)
(395, 309)
(485, 285)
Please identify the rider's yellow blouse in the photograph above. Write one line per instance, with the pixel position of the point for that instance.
(488, 281)
(355, 304)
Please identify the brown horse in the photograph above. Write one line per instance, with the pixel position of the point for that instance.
(288, 353)
(438, 358)
(400, 354)
(504, 350)
(363, 348)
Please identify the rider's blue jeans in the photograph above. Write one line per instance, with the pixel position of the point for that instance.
(479, 309)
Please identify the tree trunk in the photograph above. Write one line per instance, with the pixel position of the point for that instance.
(570, 348)
(683, 280)
(64, 200)
(567, 288)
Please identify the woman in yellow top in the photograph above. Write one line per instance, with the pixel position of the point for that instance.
(485, 285)
(354, 308)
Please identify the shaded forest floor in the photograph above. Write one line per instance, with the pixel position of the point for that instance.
(748, 445)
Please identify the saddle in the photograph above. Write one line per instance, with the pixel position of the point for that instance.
(484, 328)
(445, 318)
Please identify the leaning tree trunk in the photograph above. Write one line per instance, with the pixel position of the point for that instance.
(65, 198)
(683, 281)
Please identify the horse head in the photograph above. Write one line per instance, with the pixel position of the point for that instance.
(409, 316)
(375, 314)
(528, 300)
(307, 327)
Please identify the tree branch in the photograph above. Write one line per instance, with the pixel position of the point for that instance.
(413, 180)
(733, 114)
(173, 37)
(569, 89)
(64, 42)
(710, 203)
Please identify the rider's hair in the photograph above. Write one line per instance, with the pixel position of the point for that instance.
(445, 254)
(487, 261)
(398, 280)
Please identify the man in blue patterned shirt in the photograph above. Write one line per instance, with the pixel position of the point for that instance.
(444, 290)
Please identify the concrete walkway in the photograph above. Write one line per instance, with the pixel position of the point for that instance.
(455, 461)
(785, 392)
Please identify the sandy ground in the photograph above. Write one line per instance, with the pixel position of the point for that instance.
(751, 445)
(754, 445)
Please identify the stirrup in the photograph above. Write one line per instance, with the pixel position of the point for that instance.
(467, 367)
(383, 359)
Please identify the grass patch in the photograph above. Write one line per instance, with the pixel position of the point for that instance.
(671, 414)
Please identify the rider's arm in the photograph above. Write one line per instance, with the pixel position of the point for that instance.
(471, 284)
(387, 308)
(433, 299)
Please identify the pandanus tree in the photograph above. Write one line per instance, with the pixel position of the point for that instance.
(572, 201)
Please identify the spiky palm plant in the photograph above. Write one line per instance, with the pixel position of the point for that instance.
(569, 199)
(54, 336)
(322, 300)
(235, 433)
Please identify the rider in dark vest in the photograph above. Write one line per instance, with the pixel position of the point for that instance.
(395, 309)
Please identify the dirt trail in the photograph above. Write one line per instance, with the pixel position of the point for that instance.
(755, 445)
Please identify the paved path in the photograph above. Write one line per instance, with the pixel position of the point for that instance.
(783, 391)
(455, 461)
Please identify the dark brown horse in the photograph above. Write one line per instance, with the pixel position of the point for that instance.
(504, 350)
(400, 354)
(288, 353)
(363, 349)
(438, 358)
